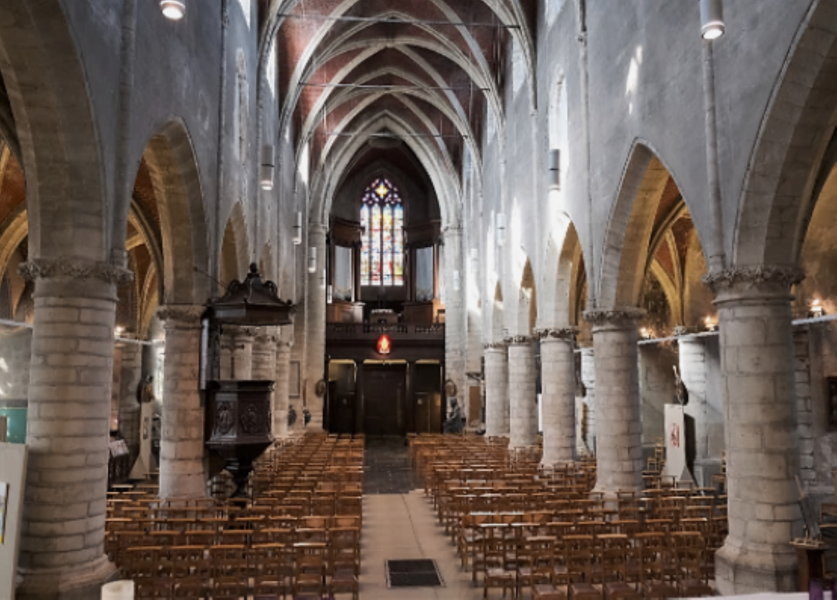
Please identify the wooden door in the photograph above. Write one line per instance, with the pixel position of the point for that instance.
(383, 399)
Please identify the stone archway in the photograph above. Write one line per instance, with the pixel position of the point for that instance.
(793, 144)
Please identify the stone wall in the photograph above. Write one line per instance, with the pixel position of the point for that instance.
(656, 389)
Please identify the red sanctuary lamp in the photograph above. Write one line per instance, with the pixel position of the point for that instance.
(384, 344)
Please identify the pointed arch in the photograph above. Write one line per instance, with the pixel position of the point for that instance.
(562, 276)
(798, 127)
(173, 169)
(52, 116)
(235, 248)
(497, 316)
(527, 304)
(631, 226)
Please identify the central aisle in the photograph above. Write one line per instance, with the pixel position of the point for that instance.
(402, 526)
(398, 523)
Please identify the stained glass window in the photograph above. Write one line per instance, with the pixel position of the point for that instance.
(382, 220)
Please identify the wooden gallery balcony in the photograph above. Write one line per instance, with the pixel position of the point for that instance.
(359, 341)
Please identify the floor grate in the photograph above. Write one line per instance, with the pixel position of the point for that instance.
(413, 573)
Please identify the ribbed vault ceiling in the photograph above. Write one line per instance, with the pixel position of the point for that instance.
(350, 69)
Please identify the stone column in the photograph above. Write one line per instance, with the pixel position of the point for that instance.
(264, 355)
(280, 394)
(129, 408)
(264, 362)
(496, 389)
(62, 542)
(558, 395)
(523, 405)
(456, 341)
(226, 360)
(588, 378)
(693, 359)
(315, 321)
(242, 353)
(619, 418)
(181, 442)
(757, 370)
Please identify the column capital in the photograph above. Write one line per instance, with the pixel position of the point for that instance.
(494, 346)
(265, 336)
(247, 332)
(184, 314)
(320, 228)
(555, 334)
(519, 340)
(758, 277)
(625, 316)
(75, 268)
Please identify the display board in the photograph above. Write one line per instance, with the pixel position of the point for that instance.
(12, 481)
(675, 435)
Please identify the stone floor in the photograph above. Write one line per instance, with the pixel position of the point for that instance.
(398, 523)
(386, 467)
(402, 526)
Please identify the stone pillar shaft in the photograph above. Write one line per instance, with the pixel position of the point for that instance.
(558, 396)
(242, 353)
(280, 394)
(754, 308)
(496, 390)
(523, 411)
(315, 320)
(71, 373)
(181, 443)
(619, 416)
(129, 408)
(264, 357)
(588, 378)
(226, 358)
(456, 341)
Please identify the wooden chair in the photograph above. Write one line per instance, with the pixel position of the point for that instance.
(269, 577)
(655, 565)
(498, 546)
(229, 571)
(310, 565)
(689, 558)
(541, 567)
(578, 558)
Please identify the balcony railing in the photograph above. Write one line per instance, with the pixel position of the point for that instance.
(360, 330)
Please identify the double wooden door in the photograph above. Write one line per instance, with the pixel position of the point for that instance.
(384, 399)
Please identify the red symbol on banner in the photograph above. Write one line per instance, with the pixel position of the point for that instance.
(384, 345)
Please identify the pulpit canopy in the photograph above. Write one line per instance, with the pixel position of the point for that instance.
(252, 303)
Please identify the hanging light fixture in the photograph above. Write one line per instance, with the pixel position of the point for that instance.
(298, 229)
(312, 259)
(173, 9)
(267, 168)
(711, 19)
(501, 228)
(555, 169)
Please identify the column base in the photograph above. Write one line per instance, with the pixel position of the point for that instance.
(70, 583)
(741, 570)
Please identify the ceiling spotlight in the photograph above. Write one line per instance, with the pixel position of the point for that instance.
(711, 19)
(500, 224)
(267, 168)
(312, 259)
(173, 9)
